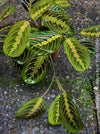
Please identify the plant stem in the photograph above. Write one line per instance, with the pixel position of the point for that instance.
(59, 85)
(34, 23)
(49, 86)
(57, 81)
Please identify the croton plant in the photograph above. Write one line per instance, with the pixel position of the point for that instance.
(30, 45)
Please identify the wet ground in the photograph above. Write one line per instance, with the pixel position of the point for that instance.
(14, 93)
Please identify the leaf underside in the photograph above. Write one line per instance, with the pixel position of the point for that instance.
(15, 42)
(44, 43)
(69, 114)
(32, 109)
(77, 54)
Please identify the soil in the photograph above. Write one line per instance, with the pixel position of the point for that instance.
(14, 92)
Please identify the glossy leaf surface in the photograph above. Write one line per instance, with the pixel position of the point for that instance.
(93, 31)
(7, 12)
(77, 54)
(44, 43)
(35, 69)
(15, 42)
(56, 21)
(69, 114)
(32, 109)
(54, 115)
(90, 45)
(39, 8)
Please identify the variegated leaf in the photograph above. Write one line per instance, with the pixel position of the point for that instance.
(5, 27)
(15, 42)
(32, 109)
(26, 3)
(54, 115)
(55, 7)
(63, 3)
(35, 69)
(69, 114)
(24, 57)
(93, 31)
(39, 8)
(77, 54)
(17, 66)
(7, 12)
(56, 21)
(43, 43)
(90, 45)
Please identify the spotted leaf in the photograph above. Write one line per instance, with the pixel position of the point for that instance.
(77, 54)
(7, 12)
(56, 21)
(35, 69)
(32, 109)
(93, 31)
(39, 8)
(69, 114)
(15, 42)
(44, 43)
(54, 115)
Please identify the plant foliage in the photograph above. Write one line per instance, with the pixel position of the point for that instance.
(32, 109)
(7, 12)
(77, 54)
(15, 42)
(30, 44)
(69, 114)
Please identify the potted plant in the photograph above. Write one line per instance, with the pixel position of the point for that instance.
(31, 44)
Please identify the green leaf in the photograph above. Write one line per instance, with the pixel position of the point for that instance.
(90, 45)
(15, 42)
(93, 31)
(69, 114)
(7, 12)
(54, 115)
(63, 3)
(26, 3)
(77, 54)
(5, 27)
(32, 109)
(35, 69)
(43, 43)
(24, 57)
(39, 8)
(56, 21)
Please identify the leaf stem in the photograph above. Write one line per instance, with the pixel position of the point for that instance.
(49, 86)
(57, 81)
(34, 23)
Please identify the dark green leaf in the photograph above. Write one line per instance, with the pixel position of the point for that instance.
(69, 114)
(44, 43)
(32, 109)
